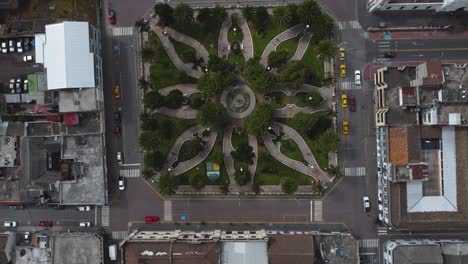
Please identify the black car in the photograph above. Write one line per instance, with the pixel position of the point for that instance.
(117, 117)
(390, 54)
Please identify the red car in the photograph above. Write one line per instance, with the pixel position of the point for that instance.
(111, 17)
(151, 219)
(352, 103)
(117, 131)
(45, 224)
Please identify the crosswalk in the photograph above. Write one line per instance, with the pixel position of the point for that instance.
(353, 24)
(167, 210)
(130, 173)
(119, 235)
(316, 208)
(356, 171)
(346, 85)
(369, 243)
(122, 31)
(105, 211)
(382, 231)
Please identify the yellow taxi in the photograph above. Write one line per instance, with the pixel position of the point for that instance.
(343, 70)
(345, 125)
(342, 54)
(344, 100)
(117, 92)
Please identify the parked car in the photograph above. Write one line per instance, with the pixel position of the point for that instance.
(389, 54)
(16, 206)
(121, 183)
(151, 219)
(343, 70)
(27, 237)
(118, 131)
(342, 54)
(85, 224)
(345, 126)
(117, 117)
(19, 46)
(4, 47)
(366, 203)
(25, 85)
(112, 19)
(45, 224)
(9, 223)
(28, 58)
(83, 208)
(116, 92)
(344, 100)
(11, 45)
(352, 103)
(119, 158)
(357, 77)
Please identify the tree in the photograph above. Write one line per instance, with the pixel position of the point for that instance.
(214, 83)
(334, 171)
(329, 142)
(217, 64)
(326, 49)
(213, 115)
(277, 59)
(289, 185)
(219, 15)
(311, 124)
(198, 181)
(174, 99)
(260, 80)
(154, 160)
(205, 16)
(281, 15)
(166, 127)
(294, 16)
(148, 53)
(165, 14)
(313, 98)
(309, 13)
(258, 121)
(242, 177)
(191, 149)
(183, 14)
(244, 153)
(149, 140)
(224, 187)
(167, 184)
(248, 12)
(317, 187)
(217, 156)
(147, 174)
(148, 121)
(144, 84)
(261, 19)
(153, 100)
(198, 100)
(188, 55)
(256, 188)
(142, 25)
(293, 75)
(323, 30)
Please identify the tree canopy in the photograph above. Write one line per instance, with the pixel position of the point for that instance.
(282, 15)
(213, 83)
(277, 59)
(258, 121)
(198, 181)
(289, 185)
(165, 13)
(242, 177)
(167, 184)
(326, 49)
(260, 80)
(261, 19)
(293, 75)
(183, 14)
(244, 153)
(213, 115)
(329, 142)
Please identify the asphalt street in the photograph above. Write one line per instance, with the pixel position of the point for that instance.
(32, 216)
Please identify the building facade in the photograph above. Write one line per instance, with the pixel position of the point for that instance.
(418, 5)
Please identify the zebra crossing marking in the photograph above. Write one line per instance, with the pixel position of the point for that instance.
(356, 171)
(122, 31)
(105, 211)
(119, 235)
(317, 211)
(167, 210)
(369, 243)
(352, 24)
(130, 173)
(346, 85)
(382, 231)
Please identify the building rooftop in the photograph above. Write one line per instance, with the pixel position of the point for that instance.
(414, 1)
(65, 52)
(77, 248)
(77, 100)
(418, 254)
(244, 252)
(404, 144)
(290, 249)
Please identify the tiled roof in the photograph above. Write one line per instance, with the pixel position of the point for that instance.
(290, 249)
(434, 73)
(397, 144)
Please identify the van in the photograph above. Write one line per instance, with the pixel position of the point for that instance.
(113, 252)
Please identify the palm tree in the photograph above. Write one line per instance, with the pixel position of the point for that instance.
(183, 14)
(143, 25)
(317, 187)
(281, 15)
(309, 13)
(256, 188)
(167, 184)
(289, 185)
(219, 14)
(326, 49)
(224, 187)
(248, 12)
(148, 53)
(334, 170)
(324, 29)
(144, 84)
(329, 142)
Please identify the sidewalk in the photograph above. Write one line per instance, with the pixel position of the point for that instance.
(415, 34)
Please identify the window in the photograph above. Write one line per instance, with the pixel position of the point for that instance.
(415, 7)
(401, 7)
(428, 7)
(388, 7)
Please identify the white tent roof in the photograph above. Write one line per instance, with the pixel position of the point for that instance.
(67, 56)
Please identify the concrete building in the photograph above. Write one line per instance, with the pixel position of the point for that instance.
(422, 139)
(417, 5)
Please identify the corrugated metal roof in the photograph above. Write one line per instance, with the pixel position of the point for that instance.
(251, 252)
(67, 57)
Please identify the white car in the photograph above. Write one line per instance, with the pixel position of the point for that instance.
(19, 46)
(9, 223)
(380, 195)
(121, 184)
(28, 58)
(357, 77)
(84, 208)
(11, 45)
(366, 203)
(84, 224)
(4, 47)
(27, 237)
(119, 158)
(25, 85)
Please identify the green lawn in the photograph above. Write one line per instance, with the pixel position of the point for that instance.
(234, 35)
(290, 149)
(289, 45)
(237, 59)
(269, 170)
(182, 48)
(207, 39)
(164, 72)
(310, 59)
(238, 140)
(261, 41)
(180, 125)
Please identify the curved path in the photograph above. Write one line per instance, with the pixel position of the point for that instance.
(191, 163)
(223, 42)
(186, 88)
(302, 46)
(227, 149)
(184, 112)
(312, 170)
(282, 37)
(247, 42)
(171, 52)
(253, 167)
(200, 50)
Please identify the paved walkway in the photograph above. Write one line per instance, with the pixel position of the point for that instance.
(186, 88)
(312, 170)
(223, 42)
(253, 167)
(187, 165)
(282, 37)
(247, 42)
(302, 46)
(171, 52)
(184, 112)
(239, 88)
(227, 149)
